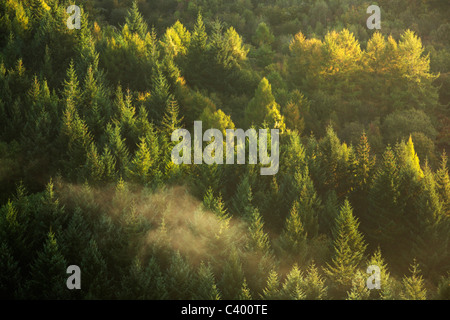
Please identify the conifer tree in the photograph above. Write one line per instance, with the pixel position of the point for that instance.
(241, 203)
(385, 282)
(313, 284)
(293, 237)
(75, 238)
(259, 240)
(135, 21)
(71, 91)
(443, 183)
(78, 138)
(94, 101)
(362, 168)
(171, 120)
(161, 97)
(272, 289)
(263, 107)
(385, 210)
(245, 293)
(206, 284)
(359, 290)
(308, 202)
(196, 62)
(135, 284)
(179, 278)
(95, 280)
(143, 282)
(94, 165)
(117, 146)
(217, 206)
(140, 166)
(349, 248)
(109, 165)
(49, 272)
(292, 286)
(413, 286)
(232, 277)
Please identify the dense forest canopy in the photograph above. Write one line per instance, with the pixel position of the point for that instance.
(87, 178)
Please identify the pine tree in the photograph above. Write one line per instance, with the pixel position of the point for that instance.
(76, 135)
(216, 205)
(431, 241)
(241, 202)
(109, 165)
(161, 97)
(259, 240)
(48, 272)
(272, 289)
(413, 286)
(260, 107)
(293, 237)
(135, 285)
(117, 146)
(196, 62)
(245, 293)
(143, 282)
(95, 281)
(385, 211)
(313, 284)
(71, 90)
(232, 277)
(362, 168)
(75, 237)
(443, 183)
(206, 284)
(385, 283)
(171, 120)
(309, 203)
(292, 286)
(349, 248)
(140, 166)
(94, 165)
(408, 159)
(135, 21)
(179, 278)
(359, 290)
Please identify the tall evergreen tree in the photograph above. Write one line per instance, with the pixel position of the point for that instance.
(179, 278)
(293, 237)
(95, 281)
(206, 284)
(314, 284)
(245, 293)
(272, 289)
(292, 286)
(141, 165)
(135, 21)
(232, 277)
(49, 272)
(259, 240)
(413, 286)
(349, 248)
(443, 183)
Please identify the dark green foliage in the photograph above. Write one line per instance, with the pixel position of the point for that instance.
(10, 279)
(207, 288)
(48, 272)
(232, 277)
